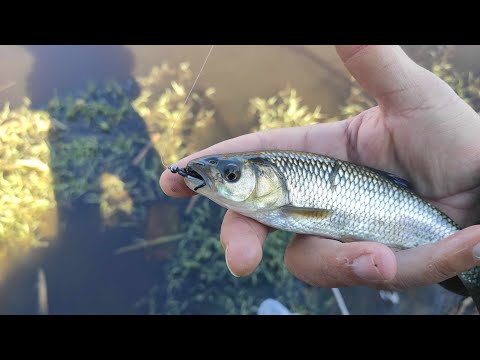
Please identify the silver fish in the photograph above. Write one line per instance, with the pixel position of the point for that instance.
(318, 195)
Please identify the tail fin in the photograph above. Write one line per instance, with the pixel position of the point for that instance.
(466, 284)
(471, 280)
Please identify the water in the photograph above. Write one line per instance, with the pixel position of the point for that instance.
(83, 273)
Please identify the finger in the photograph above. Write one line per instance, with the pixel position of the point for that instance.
(434, 263)
(328, 139)
(389, 75)
(329, 263)
(242, 239)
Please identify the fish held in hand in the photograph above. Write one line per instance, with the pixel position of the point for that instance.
(312, 194)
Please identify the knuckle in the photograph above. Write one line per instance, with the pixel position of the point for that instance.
(441, 269)
(317, 274)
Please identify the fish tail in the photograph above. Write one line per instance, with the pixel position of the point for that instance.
(471, 280)
(475, 293)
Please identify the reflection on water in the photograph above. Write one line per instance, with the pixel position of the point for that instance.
(109, 112)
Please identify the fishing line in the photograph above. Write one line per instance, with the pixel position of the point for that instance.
(201, 69)
(189, 93)
(7, 86)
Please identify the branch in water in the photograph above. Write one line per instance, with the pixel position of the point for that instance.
(340, 301)
(143, 244)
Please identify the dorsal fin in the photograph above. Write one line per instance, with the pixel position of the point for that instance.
(394, 178)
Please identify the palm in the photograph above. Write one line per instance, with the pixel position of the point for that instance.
(428, 151)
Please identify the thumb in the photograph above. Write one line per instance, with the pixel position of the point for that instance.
(434, 263)
(389, 75)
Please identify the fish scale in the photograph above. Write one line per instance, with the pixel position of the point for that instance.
(365, 205)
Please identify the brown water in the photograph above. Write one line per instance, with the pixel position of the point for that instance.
(82, 273)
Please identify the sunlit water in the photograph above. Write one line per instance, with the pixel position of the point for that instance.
(83, 273)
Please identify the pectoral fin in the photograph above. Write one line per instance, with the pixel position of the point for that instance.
(311, 213)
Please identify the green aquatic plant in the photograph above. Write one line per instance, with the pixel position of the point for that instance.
(78, 165)
(284, 109)
(52, 157)
(84, 147)
(87, 150)
(99, 108)
(197, 280)
(437, 59)
(26, 182)
(115, 201)
(466, 85)
(177, 122)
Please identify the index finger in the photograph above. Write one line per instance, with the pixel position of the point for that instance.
(326, 139)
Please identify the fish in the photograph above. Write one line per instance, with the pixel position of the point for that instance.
(314, 194)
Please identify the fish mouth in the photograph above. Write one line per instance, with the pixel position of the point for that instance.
(192, 173)
(196, 177)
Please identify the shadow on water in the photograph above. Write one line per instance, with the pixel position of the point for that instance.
(85, 277)
(83, 274)
(59, 69)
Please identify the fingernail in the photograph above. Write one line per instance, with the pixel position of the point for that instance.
(366, 268)
(476, 251)
(228, 266)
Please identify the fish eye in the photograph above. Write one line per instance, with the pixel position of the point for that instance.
(231, 172)
(213, 162)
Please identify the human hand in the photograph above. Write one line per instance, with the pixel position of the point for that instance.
(421, 131)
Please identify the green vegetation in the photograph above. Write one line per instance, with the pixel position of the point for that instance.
(436, 59)
(283, 110)
(26, 191)
(199, 282)
(176, 126)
